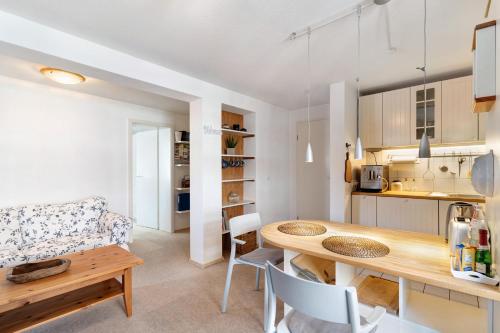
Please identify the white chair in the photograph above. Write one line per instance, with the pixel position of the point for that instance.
(317, 307)
(240, 225)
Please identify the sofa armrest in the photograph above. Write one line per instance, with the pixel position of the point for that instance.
(116, 225)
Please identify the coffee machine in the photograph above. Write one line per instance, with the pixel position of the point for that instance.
(458, 221)
(374, 178)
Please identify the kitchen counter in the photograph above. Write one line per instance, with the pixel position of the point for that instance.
(414, 256)
(424, 195)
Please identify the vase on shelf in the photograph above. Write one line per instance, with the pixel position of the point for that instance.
(231, 151)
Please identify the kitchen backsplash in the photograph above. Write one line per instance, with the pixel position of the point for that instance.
(430, 175)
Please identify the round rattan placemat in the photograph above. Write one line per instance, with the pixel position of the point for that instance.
(302, 228)
(359, 247)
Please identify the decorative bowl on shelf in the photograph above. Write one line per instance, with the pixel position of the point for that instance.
(233, 197)
(38, 270)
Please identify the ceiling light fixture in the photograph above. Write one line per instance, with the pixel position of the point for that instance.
(309, 152)
(380, 2)
(62, 76)
(424, 149)
(358, 148)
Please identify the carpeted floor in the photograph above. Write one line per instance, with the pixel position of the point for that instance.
(172, 295)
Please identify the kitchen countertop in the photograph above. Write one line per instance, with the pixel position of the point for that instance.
(425, 195)
(415, 256)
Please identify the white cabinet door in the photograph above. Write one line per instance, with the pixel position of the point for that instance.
(370, 120)
(364, 210)
(422, 215)
(396, 117)
(417, 215)
(459, 123)
(389, 212)
(420, 119)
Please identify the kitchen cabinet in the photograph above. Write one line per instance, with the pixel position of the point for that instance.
(419, 215)
(429, 118)
(396, 118)
(370, 120)
(364, 210)
(459, 123)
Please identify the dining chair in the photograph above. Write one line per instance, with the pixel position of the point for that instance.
(240, 225)
(317, 307)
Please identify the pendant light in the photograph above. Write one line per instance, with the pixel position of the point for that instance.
(358, 148)
(309, 152)
(424, 149)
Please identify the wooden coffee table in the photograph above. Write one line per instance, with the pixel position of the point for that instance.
(91, 279)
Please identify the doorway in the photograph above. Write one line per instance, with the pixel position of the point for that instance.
(313, 179)
(152, 176)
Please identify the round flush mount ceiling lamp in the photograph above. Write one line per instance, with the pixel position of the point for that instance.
(62, 76)
(380, 2)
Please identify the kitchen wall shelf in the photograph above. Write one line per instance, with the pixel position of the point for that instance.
(245, 157)
(237, 204)
(240, 133)
(183, 142)
(181, 164)
(225, 232)
(182, 211)
(182, 188)
(238, 180)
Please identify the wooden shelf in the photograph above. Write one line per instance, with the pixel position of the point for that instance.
(184, 142)
(182, 211)
(34, 314)
(245, 157)
(225, 232)
(239, 133)
(181, 164)
(238, 180)
(182, 188)
(241, 203)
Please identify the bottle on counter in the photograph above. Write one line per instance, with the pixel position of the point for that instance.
(477, 223)
(483, 254)
(468, 262)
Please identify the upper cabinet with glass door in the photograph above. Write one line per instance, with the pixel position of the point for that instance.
(423, 118)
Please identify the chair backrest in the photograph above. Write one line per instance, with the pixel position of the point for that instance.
(242, 224)
(322, 301)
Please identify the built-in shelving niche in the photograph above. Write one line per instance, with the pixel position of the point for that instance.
(240, 177)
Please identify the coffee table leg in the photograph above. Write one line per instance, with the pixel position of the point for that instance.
(127, 291)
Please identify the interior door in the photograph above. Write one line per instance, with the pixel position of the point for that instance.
(313, 184)
(145, 187)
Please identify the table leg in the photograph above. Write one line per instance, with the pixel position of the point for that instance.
(127, 291)
(404, 294)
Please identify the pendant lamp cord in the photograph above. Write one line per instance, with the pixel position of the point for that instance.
(359, 69)
(308, 83)
(424, 69)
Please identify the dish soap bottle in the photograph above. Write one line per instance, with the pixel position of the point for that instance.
(483, 254)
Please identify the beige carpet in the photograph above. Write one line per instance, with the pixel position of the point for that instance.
(172, 295)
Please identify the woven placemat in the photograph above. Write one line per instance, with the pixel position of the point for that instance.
(302, 228)
(359, 247)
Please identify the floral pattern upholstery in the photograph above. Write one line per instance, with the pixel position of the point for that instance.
(59, 246)
(36, 232)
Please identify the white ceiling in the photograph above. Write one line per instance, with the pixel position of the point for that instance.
(24, 70)
(240, 44)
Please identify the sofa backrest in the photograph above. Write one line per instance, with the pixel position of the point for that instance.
(10, 231)
(39, 223)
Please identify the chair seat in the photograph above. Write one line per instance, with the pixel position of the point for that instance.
(261, 255)
(297, 322)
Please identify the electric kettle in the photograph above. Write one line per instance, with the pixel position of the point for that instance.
(458, 220)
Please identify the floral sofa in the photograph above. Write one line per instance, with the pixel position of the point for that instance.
(36, 232)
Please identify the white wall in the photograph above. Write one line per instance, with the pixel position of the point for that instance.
(320, 112)
(57, 145)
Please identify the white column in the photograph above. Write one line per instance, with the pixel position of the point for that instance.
(206, 188)
(342, 130)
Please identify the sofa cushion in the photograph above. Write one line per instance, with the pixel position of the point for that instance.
(10, 258)
(10, 232)
(85, 217)
(60, 246)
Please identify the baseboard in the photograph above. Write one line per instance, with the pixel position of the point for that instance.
(205, 265)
